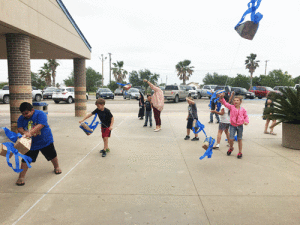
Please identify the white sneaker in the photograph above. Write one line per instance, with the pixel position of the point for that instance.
(156, 130)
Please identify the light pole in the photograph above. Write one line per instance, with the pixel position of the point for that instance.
(102, 59)
(109, 67)
(266, 66)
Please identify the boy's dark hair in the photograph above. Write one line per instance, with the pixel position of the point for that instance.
(100, 101)
(25, 106)
(148, 96)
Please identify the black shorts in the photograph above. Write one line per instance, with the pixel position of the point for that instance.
(49, 153)
(190, 123)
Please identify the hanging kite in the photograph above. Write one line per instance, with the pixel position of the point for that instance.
(125, 86)
(214, 99)
(248, 29)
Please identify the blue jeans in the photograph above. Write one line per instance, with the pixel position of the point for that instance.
(212, 119)
(238, 130)
(148, 116)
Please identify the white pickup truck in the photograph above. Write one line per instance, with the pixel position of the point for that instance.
(175, 92)
(4, 94)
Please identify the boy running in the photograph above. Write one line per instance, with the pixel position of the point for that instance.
(107, 121)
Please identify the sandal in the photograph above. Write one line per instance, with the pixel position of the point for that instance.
(20, 182)
(266, 132)
(57, 171)
(272, 133)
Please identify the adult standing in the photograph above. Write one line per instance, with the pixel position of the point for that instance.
(158, 102)
(141, 106)
(269, 103)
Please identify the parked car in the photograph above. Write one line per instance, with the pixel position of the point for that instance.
(118, 91)
(104, 93)
(132, 93)
(260, 91)
(65, 94)
(226, 88)
(192, 91)
(140, 88)
(4, 94)
(203, 91)
(48, 92)
(175, 92)
(243, 92)
(277, 88)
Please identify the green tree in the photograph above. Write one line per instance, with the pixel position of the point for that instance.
(113, 86)
(297, 80)
(276, 78)
(135, 79)
(93, 80)
(69, 82)
(3, 84)
(216, 79)
(45, 73)
(251, 65)
(184, 71)
(240, 81)
(118, 71)
(53, 64)
(37, 81)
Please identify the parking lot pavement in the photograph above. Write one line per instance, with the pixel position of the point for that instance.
(154, 177)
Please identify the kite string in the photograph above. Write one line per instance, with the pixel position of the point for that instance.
(238, 48)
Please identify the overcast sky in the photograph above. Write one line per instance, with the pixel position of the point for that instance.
(157, 34)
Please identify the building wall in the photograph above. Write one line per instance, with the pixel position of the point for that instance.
(43, 19)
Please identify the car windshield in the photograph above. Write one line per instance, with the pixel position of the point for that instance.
(6, 88)
(50, 89)
(171, 87)
(134, 90)
(219, 88)
(104, 90)
(60, 90)
(269, 89)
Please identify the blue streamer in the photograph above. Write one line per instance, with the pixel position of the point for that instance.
(255, 17)
(209, 151)
(198, 128)
(91, 126)
(214, 99)
(123, 85)
(10, 148)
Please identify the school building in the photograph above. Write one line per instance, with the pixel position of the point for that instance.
(40, 29)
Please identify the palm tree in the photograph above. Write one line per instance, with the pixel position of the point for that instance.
(118, 72)
(53, 64)
(184, 70)
(44, 73)
(251, 65)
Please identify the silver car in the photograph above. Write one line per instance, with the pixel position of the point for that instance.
(131, 93)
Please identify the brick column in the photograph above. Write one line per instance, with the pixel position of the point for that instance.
(80, 87)
(19, 74)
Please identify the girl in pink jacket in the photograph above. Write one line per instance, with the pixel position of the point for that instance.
(238, 118)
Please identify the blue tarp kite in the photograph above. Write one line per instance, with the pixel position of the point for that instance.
(248, 29)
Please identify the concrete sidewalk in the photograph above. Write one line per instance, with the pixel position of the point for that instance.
(155, 178)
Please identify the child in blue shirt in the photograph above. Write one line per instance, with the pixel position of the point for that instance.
(33, 124)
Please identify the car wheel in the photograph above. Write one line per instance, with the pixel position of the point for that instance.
(124, 97)
(70, 100)
(97, 96)
(56, 102)
(87, 97)
(38, 98)
(259, 97)
(199, 96)
(113, 97)
(6, 99)
(176, 100)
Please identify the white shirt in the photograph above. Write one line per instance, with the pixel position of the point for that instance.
(225, 118)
